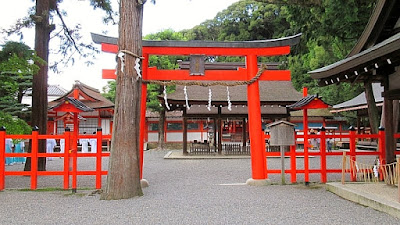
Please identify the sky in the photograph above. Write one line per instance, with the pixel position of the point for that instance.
(165, 14)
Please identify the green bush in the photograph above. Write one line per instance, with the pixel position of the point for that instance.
(14, 125)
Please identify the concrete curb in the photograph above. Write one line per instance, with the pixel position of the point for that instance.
(357, 195)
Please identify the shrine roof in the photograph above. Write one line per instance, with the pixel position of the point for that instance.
(271, 92)
(285, 41)
(308, 102)
(89, 96)
(360, 101)
(78, 104)
(52, 90)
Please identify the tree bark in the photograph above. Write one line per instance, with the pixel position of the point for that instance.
(39, 83)
(161, 130)
(123, 180)
(373, 114)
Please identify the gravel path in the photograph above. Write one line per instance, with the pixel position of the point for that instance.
(184, 192)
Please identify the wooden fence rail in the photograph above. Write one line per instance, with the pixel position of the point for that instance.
(70, 157)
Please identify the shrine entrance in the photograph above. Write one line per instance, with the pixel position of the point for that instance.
(197, 75)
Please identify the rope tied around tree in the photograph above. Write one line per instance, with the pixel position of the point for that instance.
(208, 84)
(121, 55)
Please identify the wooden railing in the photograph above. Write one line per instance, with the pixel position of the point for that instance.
(70, 157)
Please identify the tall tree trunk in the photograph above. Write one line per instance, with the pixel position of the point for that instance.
(161, 130)
(373, 113)
(39, 83)
(123, 180)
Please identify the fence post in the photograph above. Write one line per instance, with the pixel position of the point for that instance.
(74, 153)
(323, 155)
(34, 157)
(67, 160)
(382, 151)
(99, 157)
(353, 151)
(293, 164)
(343, 166)
(2, 158)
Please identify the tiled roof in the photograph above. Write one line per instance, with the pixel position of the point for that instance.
(273, 92)
(95, 101)
(78, 104)
(302, 102)
(377, 89)
(52, 90)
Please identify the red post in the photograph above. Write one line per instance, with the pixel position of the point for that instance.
(323, 155)
(382, 151)
(2, 157)
(305, 130)
(74, 152)
(67, 139)
(34, 157)
(258, 160)
(99, 157)
(382, 144)
(306, 162)
(143, 101)
(293, 164)
(352, 152)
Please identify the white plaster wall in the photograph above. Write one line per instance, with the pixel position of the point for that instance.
(153, 137)
(105, 126)
(174, 137)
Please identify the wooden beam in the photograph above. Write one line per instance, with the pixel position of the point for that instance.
(210, 75)
(214, 51)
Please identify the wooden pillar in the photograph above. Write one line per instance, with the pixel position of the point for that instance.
(219, 125)
(244, 136)
(389, 131)
(258, 160)
(215, 132)
(185, 152)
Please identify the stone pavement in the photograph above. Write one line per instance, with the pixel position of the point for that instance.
(378, 196)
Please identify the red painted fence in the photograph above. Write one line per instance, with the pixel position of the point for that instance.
(323, 154)
(70, 157)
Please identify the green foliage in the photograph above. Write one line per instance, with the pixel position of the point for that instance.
(16, 72)
(14, 125)
(109, 91)
(162, 62)
(330, 30)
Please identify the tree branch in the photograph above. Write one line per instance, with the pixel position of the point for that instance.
(67, 32)
(305, 3)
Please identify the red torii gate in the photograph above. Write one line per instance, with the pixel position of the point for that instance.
(249, 49)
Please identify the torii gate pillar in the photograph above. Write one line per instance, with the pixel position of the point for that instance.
(258, 160)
